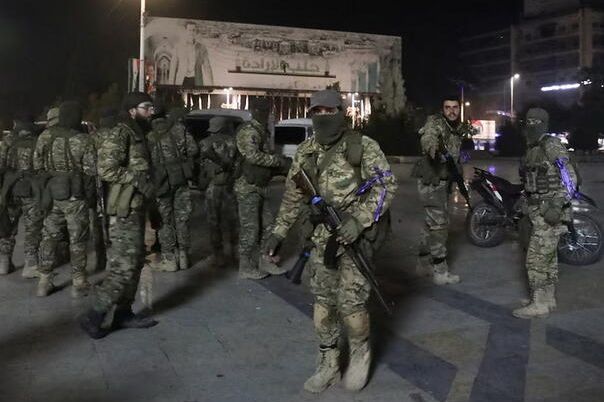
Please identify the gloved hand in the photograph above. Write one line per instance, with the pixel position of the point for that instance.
(285, 164)
(144, 185)
(349, 230)
(272, 244)
(552, 213)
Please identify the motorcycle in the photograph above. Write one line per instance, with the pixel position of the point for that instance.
(501, 210)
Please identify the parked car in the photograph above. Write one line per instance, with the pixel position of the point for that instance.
(290, 133)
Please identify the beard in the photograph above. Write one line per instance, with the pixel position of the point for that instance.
(144, 123)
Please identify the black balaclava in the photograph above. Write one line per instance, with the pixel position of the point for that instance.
(70, 115)
(260, 109)
(533, 132)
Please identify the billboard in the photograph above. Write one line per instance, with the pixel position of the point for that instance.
(485, 130)
(197, 53)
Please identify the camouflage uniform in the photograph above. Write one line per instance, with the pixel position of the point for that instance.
(66, 158)
(433, 187)
(254, 215)
(547, 196)
(16, 163)
(172, 151)
(218, 154)
(340, 291)
(123, 163)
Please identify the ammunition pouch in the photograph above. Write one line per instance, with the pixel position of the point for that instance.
(256, 175)
(22, 188)
(59, 186)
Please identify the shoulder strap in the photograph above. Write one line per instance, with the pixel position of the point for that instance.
(354, 153)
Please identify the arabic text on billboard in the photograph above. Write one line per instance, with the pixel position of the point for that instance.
(220, 54)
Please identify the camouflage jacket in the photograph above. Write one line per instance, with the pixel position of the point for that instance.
(170, 143)
(438, 133)
(252, 144)
(338, 185)
(17, 151)
(218, 157)
(122, 157)
(542, 177)
(63, 150)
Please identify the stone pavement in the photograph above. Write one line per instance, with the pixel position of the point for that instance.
(224, 339)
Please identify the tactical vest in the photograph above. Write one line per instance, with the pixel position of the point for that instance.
(220, 169)
(66, 179)
(375, 236)
(169, 175)
(20, 163)
(541, 175)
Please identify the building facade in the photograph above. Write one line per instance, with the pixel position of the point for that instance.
(551, 47)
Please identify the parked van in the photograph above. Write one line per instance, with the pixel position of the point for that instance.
(290, 133)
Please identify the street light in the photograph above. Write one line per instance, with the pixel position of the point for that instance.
(512, 79)
(141, 65)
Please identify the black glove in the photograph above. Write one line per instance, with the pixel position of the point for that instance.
(144, 185)
(285, 164)
(349, 230)
(272, 244)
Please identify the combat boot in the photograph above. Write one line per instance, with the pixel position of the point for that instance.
(357, 373)
(550, 297)
(79, 286)
(125, 318)
(167, 263)
(539, 307)
(4, 264)
(91, 323)
(442, 276)
(423, 267)
(328, 370)
(183, 260)
(248, 270)
(30, 270)
(45, 285)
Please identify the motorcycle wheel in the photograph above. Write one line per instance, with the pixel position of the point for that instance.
(481, 233)
(588, 247)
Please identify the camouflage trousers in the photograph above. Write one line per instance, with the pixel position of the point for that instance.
(542, 252)
(33, 219)
(72, 214)
(435, 200)
(126, 259)
(221, 207)
(341, 292)
(175, 211)
(255, 221)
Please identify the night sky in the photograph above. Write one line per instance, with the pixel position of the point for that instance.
(71, 48)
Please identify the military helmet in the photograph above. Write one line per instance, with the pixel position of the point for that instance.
(217, 124)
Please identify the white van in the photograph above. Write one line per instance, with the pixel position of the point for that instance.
(290, 133)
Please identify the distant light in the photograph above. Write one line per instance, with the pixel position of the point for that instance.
(560, 87)
(516, 76)
(467, 103)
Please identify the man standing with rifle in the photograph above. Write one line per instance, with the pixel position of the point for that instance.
(439, 166)
(328, 172)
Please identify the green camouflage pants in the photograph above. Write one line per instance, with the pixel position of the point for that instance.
(33, 219)
(126, 259)
(221, 207)
(542, 253)
(175, 210)
(343, 289)
(435, 200)
(255, 220)
(74, 215)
